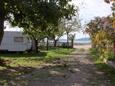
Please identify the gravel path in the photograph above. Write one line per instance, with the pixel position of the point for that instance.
(78, 70)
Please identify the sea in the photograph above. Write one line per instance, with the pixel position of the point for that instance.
(79, 41)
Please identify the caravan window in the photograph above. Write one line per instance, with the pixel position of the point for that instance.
(18, 39)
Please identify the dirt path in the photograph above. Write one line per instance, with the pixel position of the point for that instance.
(75, 71)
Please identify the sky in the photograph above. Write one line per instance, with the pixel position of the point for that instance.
(88, 9)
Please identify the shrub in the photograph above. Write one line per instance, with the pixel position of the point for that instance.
(65, 45)
(110, 55)
(102, 54)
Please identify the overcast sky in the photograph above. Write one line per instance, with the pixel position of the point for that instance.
(88, 9)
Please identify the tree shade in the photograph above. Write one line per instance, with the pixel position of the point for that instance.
(33, 13)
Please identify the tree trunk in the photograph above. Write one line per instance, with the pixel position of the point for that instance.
(67, 40)
(114, 48)
(72, 43)
(55, 43)
(47, 45)
(1, 26)
(35, 45)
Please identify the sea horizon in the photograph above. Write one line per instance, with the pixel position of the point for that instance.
(81, 40)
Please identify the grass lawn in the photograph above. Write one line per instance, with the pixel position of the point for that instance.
(18, 65)
(108, 71)
(34, 60)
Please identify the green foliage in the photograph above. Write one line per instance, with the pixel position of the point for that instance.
(94, 53)
(108, 71)
(64, 45)
(102, 54)
(110, 55)
(102, 36)
(34, 60)
(71, 25)
(54, 54)
(34, 14)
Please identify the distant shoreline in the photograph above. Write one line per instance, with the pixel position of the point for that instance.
(83, 46)
(82, 43)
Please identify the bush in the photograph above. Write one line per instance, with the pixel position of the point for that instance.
(102, 54)
(110, 55)
(65, 45)
(94, 52)
(4, 62)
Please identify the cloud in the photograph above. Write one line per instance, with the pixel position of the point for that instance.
(88, 9)
(92, 8)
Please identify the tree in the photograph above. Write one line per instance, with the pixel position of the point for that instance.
(49, 32)
(72, 37)
(57, 33)
(71, 26)
(35, 35)
(102, 35)
(92, 28)
(36, 12)
(7, 7)
(113, 22)
(108, 1)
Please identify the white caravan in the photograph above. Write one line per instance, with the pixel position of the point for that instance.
(15, 41)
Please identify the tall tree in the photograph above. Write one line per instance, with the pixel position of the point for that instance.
(71, 38)
(7, 7)
(102, 35)
(57, 33)
(113, 21)
(36, 12)
(71, 26)
(93, 27)
(36, 35)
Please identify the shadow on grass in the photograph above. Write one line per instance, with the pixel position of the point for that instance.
(52, 75)
(108, 71)
(14, 54)
(14, 76)
(24, 59)
(20, 76)
(65, 51)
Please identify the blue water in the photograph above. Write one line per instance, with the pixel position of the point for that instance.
(81, 41)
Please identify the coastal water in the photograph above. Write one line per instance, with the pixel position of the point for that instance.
(83, 42)
(78, 41)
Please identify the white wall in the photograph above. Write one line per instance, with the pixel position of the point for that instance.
(9, 44)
